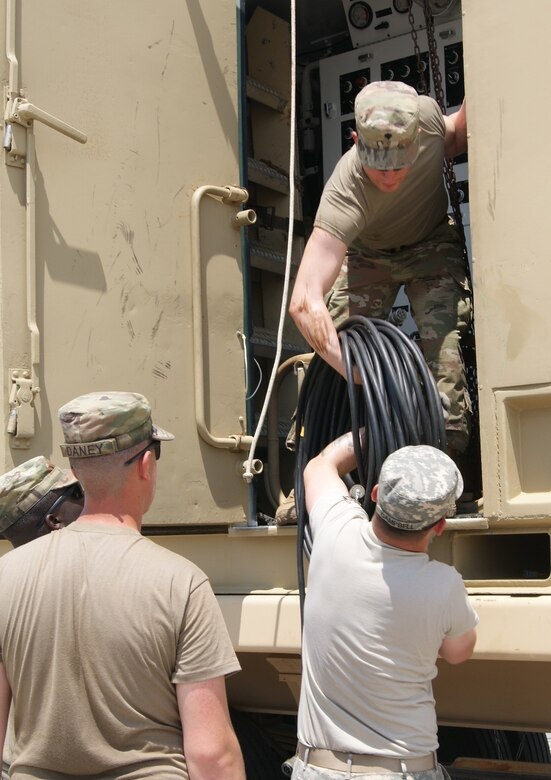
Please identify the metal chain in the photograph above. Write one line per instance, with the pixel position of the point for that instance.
(434, 58)
(468, 341)
(449, 172)
(415, 39)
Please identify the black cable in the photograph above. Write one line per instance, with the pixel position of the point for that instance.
(394, 398)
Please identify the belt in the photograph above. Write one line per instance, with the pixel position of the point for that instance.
(358, 763)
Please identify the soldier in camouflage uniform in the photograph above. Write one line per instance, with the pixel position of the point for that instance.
(377, 615)
(36, 498)
(382, 222)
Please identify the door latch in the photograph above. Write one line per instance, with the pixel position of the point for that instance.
(18, 117)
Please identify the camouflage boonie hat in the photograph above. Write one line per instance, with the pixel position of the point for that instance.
(25, 485)
(387, 123)
(104, 423)
(418, 485)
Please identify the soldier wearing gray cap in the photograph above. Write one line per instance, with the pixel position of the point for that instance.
(418, 486)
(377, 615)
(382, 223)
(137, 646)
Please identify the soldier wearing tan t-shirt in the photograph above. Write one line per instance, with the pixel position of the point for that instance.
(382, 222)
(113, 647)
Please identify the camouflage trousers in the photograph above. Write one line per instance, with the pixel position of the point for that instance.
(433, 274)
(302, 771)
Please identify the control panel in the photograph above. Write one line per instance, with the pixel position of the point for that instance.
(370, 21)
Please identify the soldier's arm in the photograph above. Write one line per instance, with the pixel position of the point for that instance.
(456, 649)
(319, 267)
(210, 745)
(324, 472)
(455, 139)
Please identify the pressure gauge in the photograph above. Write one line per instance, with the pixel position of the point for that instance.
(402, 6)
(437, 7)
(440, 6)
(360, 15)
(453, 57)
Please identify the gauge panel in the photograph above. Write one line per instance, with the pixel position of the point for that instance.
(360, 15)
(350, 84)
(402, 6)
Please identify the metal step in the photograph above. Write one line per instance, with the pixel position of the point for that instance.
(265, 95)
(263, 174)
(264, 341)
(267, 259)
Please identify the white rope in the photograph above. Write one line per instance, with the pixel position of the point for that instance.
(248, 475)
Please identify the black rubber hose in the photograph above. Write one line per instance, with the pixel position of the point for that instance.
(389, 391)
(354, 416)
(435, 432)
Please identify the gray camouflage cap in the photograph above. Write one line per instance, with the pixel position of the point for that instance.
(387, 123)
(25, 485)
(418, 485)
(107, 422)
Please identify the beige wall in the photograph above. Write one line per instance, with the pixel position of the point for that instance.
(509, 198)
(155, 89)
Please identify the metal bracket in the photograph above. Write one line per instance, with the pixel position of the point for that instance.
(21, 400)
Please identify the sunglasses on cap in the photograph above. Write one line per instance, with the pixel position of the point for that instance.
(155, 444)
(74, 492)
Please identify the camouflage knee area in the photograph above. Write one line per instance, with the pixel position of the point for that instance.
(442, 309)
(448, 371)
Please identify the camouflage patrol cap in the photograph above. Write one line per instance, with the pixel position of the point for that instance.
(387, 123)
(103, 423)
(25, 485)
(418, 485)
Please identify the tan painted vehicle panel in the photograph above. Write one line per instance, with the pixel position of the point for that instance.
(156, 95)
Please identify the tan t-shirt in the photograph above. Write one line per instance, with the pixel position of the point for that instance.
(355, 211)
(97, 623)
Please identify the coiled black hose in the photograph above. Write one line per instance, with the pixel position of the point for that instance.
(397, 402)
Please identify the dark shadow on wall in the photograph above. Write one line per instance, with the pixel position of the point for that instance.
(218, 92)
(71, 267)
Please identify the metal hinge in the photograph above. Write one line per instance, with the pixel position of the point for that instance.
(21, 417)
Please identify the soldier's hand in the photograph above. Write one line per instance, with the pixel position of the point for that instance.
(316, 325)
